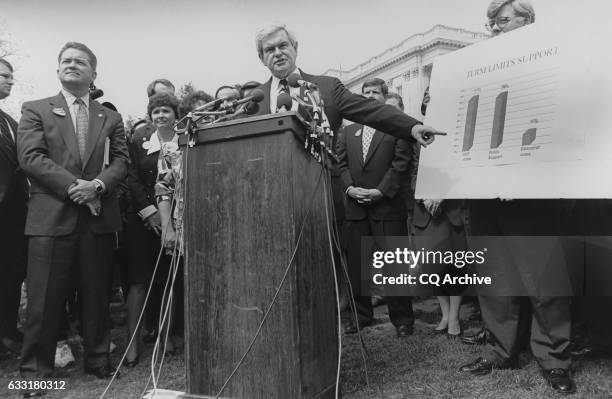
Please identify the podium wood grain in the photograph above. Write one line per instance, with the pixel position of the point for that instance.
(249, 185)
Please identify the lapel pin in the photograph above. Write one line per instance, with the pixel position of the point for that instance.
(146, 145)
(100, 115)
(358, 133)
(59, 111)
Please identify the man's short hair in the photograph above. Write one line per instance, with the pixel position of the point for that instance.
(6, 64)
(151, 86)
(269, 30)
(400, 101)
(237, 90)
(163, 100)
(376, 82)
(93, 60)
(523, 8)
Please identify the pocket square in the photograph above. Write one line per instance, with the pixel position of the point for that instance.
(59, 111)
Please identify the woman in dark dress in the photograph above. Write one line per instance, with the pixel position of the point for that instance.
(144, 223)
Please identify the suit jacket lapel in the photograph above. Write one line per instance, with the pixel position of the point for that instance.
(354, 144)
(264, 105)
(376, 139)
(302, 94)
(97, 115)
(7, 145)
(65, 125)
(6, 140)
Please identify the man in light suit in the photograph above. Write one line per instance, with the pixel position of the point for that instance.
(74, 152)
(374, 169)
(13, 199)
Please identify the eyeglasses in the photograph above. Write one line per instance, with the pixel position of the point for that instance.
(502, 22)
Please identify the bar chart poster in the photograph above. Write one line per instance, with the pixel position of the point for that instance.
(510, 120)
(520, 117)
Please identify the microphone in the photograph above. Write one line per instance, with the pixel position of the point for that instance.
(256, 96)
(284, 102)
(208, 105)
(249, 108)
(294, 80)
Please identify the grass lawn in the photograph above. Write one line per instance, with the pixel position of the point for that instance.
(420, 366)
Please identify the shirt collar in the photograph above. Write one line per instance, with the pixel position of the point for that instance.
(276, 80)
(71, 97)
(155, 145)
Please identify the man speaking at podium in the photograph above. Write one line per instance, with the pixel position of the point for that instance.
(277, 50)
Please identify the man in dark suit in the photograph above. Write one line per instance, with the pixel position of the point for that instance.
(277, 49)
(374, 169)
(516, 221)
(13, 199)
(73, 150)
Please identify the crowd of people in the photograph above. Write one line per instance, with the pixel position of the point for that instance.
(82, 197)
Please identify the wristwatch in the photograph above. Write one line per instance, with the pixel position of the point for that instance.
(99, 188)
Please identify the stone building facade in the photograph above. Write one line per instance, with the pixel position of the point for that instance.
(406, 67)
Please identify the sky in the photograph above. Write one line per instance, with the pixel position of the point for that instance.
(212, 43)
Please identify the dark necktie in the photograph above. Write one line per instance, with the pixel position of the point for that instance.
(283, 87)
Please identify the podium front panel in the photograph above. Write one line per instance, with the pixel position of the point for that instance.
(247, 194)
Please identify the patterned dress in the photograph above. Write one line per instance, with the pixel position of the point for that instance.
(169, 185)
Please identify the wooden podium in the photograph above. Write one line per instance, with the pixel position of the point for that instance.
(249, 185)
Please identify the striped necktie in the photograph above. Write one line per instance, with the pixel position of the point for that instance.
(4, 128)
(82, 126)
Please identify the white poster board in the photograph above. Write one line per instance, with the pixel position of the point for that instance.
(528, 115)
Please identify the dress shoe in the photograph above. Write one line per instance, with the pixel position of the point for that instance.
(560, 380)
(102, 372)
(131, 363)
(480, 338)
(404, 330)
(150, 337)
(349, 327)
(482, 366)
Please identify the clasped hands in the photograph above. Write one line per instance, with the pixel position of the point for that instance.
(364, 195)
(83, 192)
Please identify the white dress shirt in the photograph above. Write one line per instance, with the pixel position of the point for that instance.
(73, 108)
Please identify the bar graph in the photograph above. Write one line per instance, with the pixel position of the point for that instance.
(530, 134)
(503, 122)
(499, 117)
(470, 121)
